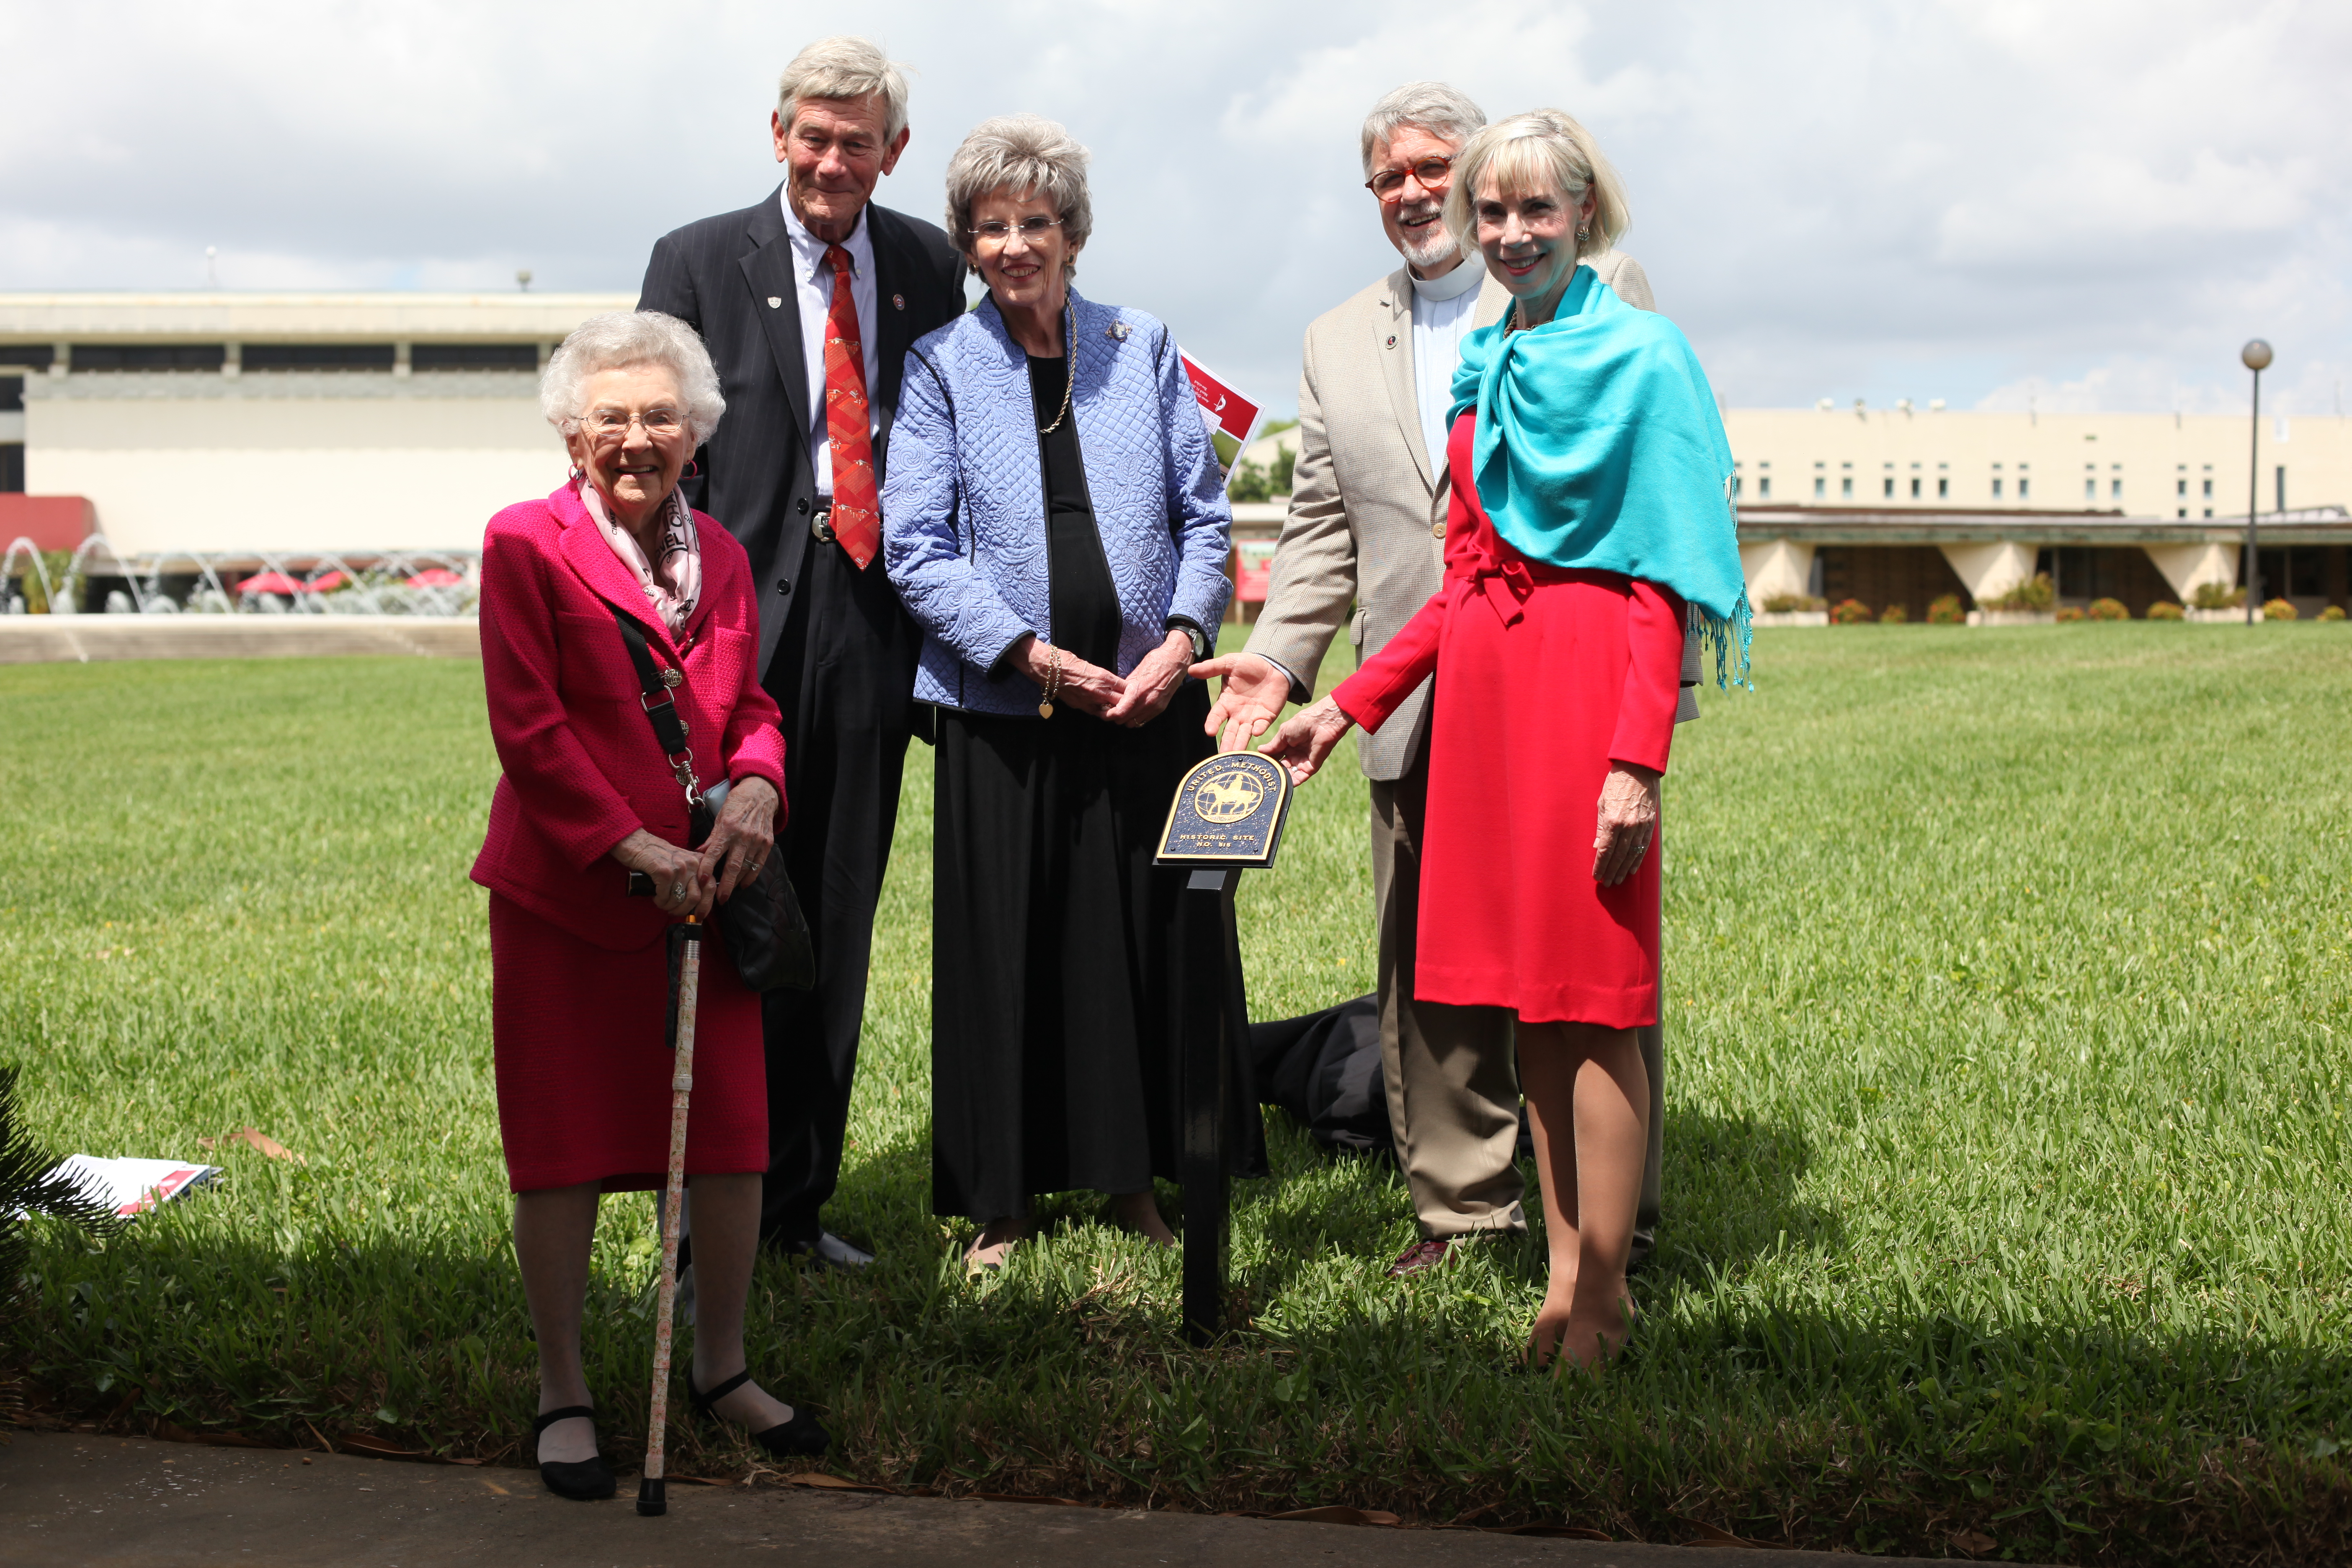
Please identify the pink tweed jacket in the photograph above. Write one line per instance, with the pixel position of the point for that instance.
(582, 770)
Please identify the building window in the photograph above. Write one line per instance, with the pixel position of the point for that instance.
(1943, 490)
(1821, 487)
(474, 356)
(2090, 489)
(2209, 512)
(1914, 487)
(12, 394)
(1846, 488)
(1996, 490)
(317, 356)
(2115, 491)
(1735, 487)
(149, 356)
(1764, 487)
(2024, 487)
(2184, 512)
(32, 356)
(2209, 493)
(1890, 486)
(12, 468)
(2181, 488)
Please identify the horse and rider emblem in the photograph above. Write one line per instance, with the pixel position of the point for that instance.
(1228, 811)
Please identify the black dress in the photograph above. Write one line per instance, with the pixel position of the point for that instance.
(1051, 1065)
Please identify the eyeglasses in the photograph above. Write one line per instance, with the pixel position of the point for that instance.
(613, 423)
(996, 231)
(1432, 174)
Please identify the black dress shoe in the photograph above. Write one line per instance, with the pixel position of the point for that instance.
(796, 1438)
(581, 1480)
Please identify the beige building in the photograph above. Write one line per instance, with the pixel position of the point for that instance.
(227, 422)
(1902, 505)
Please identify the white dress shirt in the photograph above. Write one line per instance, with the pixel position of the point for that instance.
(816, 280)
(1442, 310)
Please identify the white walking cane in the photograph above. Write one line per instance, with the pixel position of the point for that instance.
(652, 1489)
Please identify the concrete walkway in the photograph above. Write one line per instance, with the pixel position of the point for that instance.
(88, 639)
(71, 1499)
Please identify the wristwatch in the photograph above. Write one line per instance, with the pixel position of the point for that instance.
(1200, 641)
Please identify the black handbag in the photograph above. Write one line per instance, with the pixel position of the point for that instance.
(761, 926)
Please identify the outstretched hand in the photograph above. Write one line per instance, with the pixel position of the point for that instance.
(1256, 692)
(1301, 744)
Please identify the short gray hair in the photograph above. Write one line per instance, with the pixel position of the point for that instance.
(1543, 149)
(844, 67)
(1030, 155)
(1436, 107)
(619, 340)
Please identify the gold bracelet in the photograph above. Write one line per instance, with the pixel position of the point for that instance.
(1053, 686)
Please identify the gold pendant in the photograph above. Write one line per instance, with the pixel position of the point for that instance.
(1046, 709)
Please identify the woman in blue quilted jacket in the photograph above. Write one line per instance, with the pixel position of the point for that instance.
(1054, 518)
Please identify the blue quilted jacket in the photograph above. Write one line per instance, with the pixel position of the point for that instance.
(963, 510)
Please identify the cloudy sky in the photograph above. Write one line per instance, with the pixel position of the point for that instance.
(2086, 203)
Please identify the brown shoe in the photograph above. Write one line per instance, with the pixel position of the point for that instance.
(1423, 1255)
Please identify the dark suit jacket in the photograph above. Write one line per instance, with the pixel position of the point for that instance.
(717, 277)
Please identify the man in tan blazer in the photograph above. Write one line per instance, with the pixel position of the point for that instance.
(1363, 543)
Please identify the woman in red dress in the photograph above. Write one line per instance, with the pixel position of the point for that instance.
(579, 972)
(1588, 530)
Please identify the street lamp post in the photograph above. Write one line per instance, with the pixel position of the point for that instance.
(2257, 357)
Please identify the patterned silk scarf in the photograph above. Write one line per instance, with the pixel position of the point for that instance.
(674, 585)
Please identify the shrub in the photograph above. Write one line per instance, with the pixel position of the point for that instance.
(2278, 610)
(2069, 612)
(2333, 612)
(2036, 593)
(2165, 610)
(1782, 604)
(2109, 610)
(1946, 611)
(1850, 613)
(2217, 596)
(1893, 615)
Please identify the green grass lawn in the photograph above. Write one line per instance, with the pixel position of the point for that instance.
(2007, 994)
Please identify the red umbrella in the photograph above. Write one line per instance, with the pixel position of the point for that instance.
(328, 583)
(437, 577)
(270, 582)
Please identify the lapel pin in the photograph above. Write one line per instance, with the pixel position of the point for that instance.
(775, 301)
(1391, 340)
(899, 301)
(1116, 331)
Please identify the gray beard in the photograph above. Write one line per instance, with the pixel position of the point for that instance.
(1437, 250)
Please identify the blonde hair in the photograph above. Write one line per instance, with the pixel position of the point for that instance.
(843, 68)
(1543, 149)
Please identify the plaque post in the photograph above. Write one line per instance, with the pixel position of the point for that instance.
(1227, 816)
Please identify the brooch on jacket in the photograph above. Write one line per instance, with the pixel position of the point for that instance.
(1116, 331)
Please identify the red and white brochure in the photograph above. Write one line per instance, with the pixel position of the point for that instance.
(133, 1186)
(1224, 409)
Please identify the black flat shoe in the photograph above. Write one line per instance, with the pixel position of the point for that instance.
(581, 1480)
(798, 1437)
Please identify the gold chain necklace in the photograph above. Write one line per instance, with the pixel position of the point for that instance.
(1070, 366)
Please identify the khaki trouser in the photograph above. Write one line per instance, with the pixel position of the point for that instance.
(1451, 1072)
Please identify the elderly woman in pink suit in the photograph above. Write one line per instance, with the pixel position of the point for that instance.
(579, 972)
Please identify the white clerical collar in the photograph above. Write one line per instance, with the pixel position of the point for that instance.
(1452, 286)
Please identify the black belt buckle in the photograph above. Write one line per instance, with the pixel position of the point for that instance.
(820, 525)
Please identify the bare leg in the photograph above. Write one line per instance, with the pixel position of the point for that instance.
(1587, 1107)
(1140, 1211)
(726, 1233)
(553, 1230)
(994, 1240)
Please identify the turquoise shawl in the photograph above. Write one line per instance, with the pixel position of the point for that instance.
(1597, 445)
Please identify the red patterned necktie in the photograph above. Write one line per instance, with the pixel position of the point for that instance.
(857, 502)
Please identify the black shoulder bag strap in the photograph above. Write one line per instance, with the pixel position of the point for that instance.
(763, 927)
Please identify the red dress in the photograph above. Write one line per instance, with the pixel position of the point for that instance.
(1545, 676)
(580, 973)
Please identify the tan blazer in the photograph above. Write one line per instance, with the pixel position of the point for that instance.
(1366, 526)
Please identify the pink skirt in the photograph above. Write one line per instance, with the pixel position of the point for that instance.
(583, 1073)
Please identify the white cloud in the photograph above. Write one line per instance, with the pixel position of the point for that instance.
(2093, 200)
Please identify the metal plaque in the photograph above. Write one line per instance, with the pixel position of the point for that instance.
(1229, 811)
